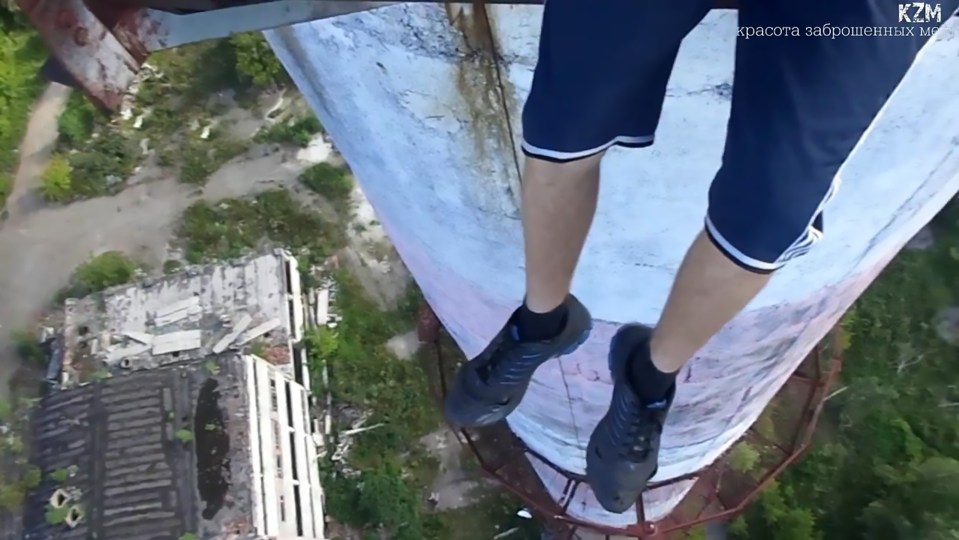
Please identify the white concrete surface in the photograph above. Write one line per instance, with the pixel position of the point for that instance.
(416, 108)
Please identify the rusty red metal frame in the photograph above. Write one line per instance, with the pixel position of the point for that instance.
(512, 470)
(99, 46)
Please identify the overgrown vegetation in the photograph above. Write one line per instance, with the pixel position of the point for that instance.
(186, 78)
(195, 159)
(78, 120)
(96, 154)
(235, 226)
(255, 62)
(296, 131)
(28, 349)
(17, 476)
(395, 472)
(886, 466)
(103, 271)
(102, 152)
(364, 374)
(21, 55)
(333, 183)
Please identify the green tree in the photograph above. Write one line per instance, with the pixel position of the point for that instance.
(920, 503)
(56, 184)
(255, 60)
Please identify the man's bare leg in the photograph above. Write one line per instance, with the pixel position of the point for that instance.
(559, 201)
(708, 292)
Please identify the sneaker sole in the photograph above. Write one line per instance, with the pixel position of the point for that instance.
(501, 413)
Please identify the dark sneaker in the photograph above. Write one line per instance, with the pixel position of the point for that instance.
(487, 388)
(623, 450)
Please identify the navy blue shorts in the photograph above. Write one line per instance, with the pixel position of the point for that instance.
(801, 100)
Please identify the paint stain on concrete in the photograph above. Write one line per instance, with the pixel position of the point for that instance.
(488, 102)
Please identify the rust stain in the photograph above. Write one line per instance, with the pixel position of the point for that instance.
(482, 86)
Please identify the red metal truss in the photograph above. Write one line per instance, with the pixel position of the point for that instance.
(99, 46)
(720, 492)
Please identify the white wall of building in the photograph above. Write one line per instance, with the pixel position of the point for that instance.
(433, 140)
(285, 468)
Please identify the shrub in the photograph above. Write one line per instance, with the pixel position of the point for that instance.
(106, 270)
(296, 132)
(172, 266)
(201, 158)
(109, 159)
(56, 184)
(331, 182)
(27, 348)
(77, 121)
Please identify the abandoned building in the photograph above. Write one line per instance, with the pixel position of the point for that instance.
(216, 448)
(181, 410)
(253, 305)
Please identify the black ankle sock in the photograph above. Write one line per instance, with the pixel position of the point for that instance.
(649, 383)
(534, 326)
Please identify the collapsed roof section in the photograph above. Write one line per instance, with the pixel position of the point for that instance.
(252, 304)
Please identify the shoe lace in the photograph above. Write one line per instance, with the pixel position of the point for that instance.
(500, 354)
(497, 352)
(643, 426)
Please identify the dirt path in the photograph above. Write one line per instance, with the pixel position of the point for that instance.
(40, 249)
(35, 149)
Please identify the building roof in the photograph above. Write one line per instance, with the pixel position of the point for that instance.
(149, 455)
(202, 310)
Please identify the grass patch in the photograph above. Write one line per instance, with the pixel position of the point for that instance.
(21, 54)
(296, 132)
(236, 226)
(333, 183)
(197, 158)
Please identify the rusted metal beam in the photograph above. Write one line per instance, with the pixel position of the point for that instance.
(86, 50)
(99, 46)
